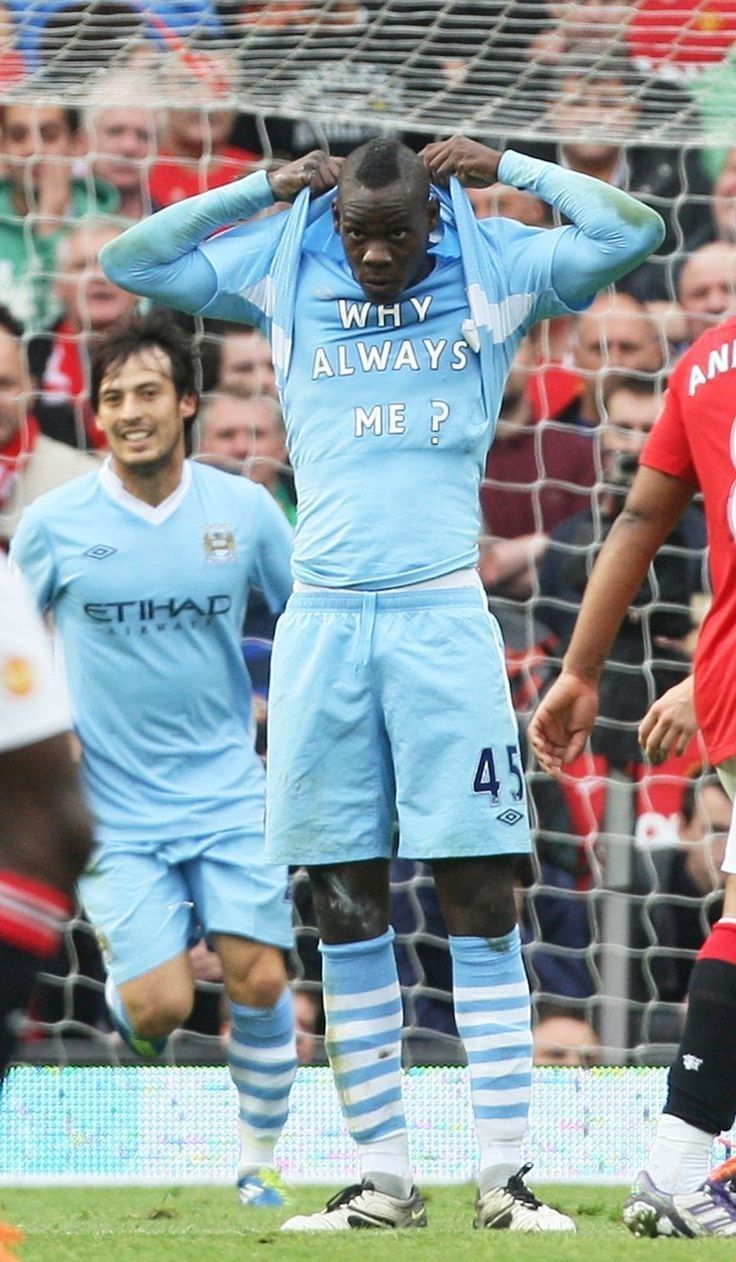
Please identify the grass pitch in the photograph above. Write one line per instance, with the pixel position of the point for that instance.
(207, 1225)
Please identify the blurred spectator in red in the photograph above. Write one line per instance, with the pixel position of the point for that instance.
(195, 152)
(40, 197)
(250, 430)
(30, 463)
(616, 333)
(681, 33)
(58, 358)
(12, 63)
(121, 136)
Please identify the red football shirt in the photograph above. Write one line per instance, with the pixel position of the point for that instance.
(172, 179)
(686, 32)
(694, 438)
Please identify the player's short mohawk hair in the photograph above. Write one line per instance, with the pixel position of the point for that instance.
(383, 161)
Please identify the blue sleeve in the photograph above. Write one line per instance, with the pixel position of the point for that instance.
(31, 550)
(272, 564)
(610, 233)
(173, 259)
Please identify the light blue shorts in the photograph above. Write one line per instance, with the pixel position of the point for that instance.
(148, 906)
(391, 705)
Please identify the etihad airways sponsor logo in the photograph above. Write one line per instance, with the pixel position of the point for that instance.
(151, 609)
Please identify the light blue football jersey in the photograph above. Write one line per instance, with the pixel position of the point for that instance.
(387, 416)
(149, 605)
(387, 426)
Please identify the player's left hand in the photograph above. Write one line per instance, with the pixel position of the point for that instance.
(669, 723)
(474, 164)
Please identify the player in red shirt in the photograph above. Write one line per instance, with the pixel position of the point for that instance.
(692, 446)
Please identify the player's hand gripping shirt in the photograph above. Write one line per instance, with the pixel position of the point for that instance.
(149, 606)
(694, 439)
(389, 409)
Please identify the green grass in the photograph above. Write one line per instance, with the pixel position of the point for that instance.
(207, 1225)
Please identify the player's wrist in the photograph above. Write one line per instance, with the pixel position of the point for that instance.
(586, 672)
(507, 171)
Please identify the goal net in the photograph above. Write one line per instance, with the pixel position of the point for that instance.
(623, 884)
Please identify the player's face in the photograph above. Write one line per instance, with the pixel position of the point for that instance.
(140, 414)
(385, 234)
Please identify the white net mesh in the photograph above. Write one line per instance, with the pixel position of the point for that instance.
(476, 65)
(612, 899)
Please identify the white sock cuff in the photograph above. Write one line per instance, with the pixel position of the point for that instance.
(673, 1130)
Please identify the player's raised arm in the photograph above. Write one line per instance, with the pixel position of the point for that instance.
(611, 233)
(566, 715)
(161, 257)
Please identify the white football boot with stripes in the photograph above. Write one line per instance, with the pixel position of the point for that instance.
(362, 1206)
(711, 1211)
(516, 1208)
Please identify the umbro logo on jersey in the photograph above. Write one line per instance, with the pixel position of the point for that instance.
(100, 551)
(509, 817)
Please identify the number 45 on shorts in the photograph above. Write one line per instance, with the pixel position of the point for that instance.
(494, 763)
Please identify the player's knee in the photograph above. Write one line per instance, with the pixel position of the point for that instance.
(261, 984)
(351, 901)
(478, 897)
(154, 1016)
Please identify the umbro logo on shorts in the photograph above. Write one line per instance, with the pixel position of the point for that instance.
(100, 551)
(509, 817)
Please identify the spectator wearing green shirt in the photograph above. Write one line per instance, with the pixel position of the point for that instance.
(40, 200)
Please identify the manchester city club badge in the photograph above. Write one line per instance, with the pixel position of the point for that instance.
(219, 544)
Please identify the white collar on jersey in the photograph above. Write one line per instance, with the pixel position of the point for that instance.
(155, 514)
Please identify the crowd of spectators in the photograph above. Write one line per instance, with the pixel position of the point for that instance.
(167, 115)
